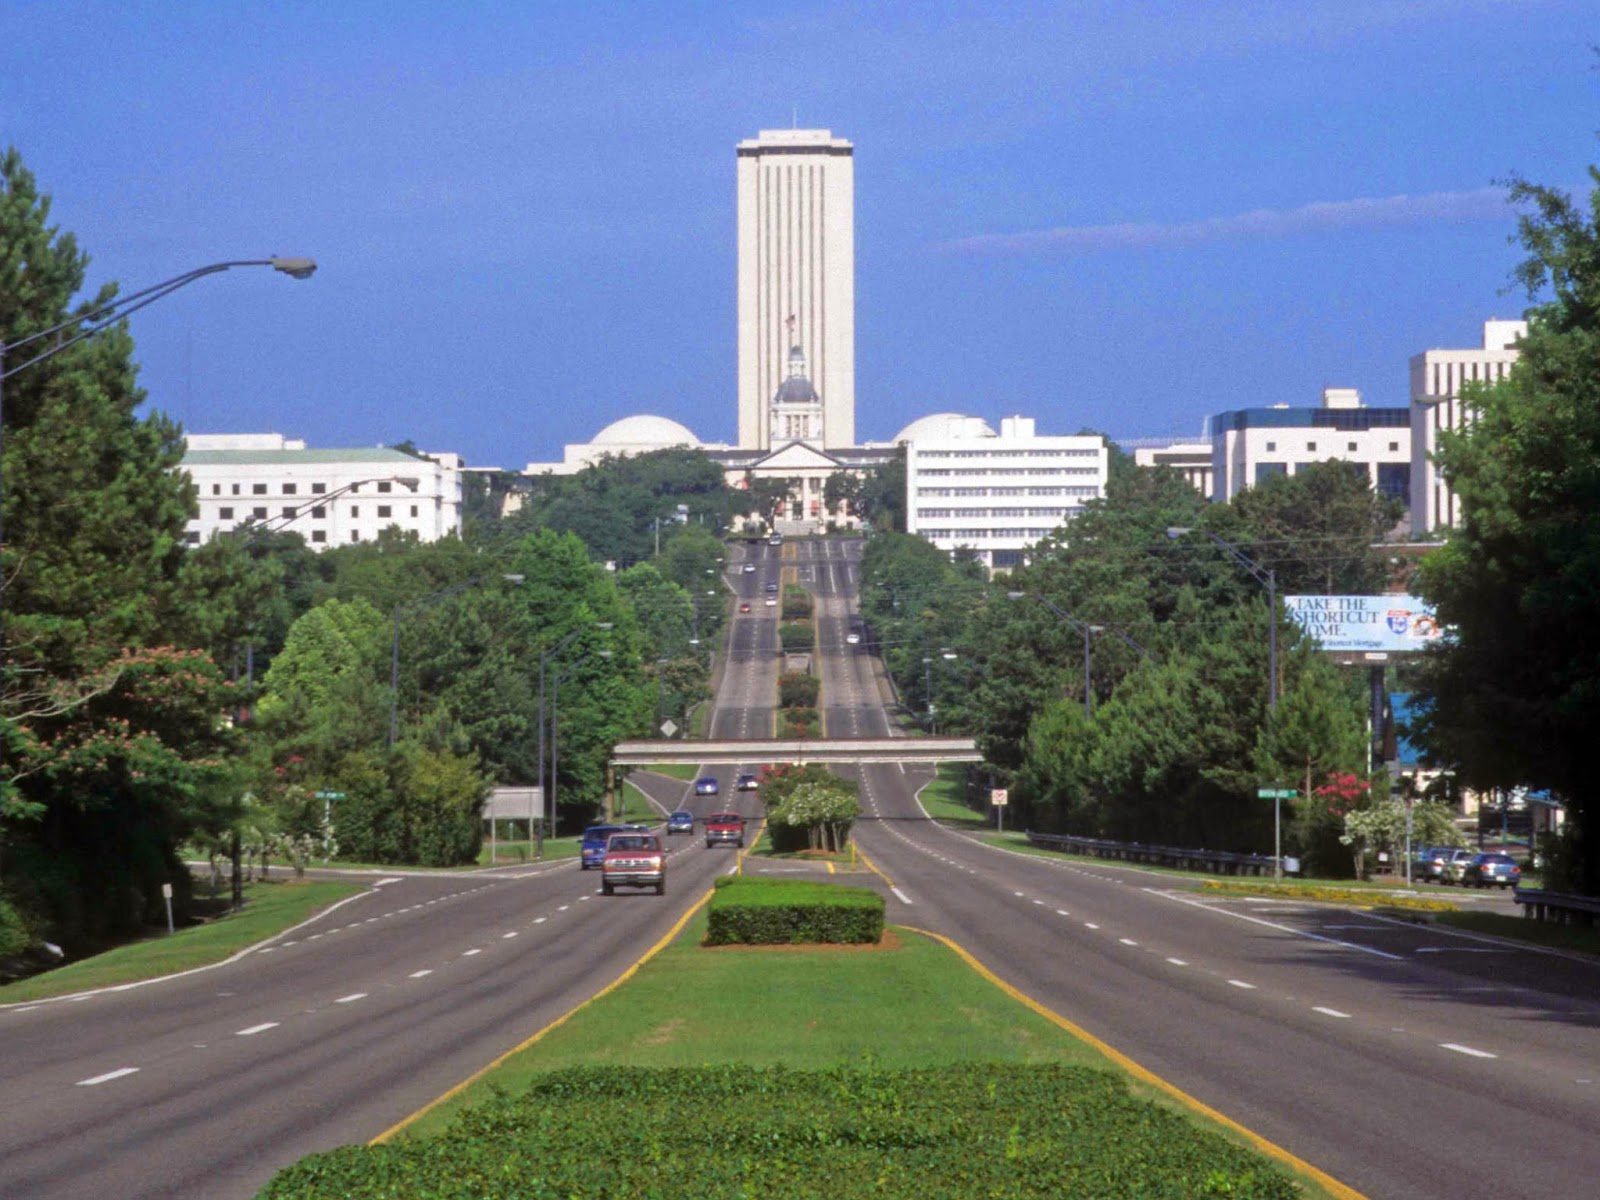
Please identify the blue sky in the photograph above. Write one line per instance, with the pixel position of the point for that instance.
(1116, 215)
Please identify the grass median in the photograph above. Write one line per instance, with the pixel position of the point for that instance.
(907, 1005)
(269, 908)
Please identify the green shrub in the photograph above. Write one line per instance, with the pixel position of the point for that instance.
(797, 603)
(944, 1133)
(767, 912)
(796, 636)
(797, 689)
(15, 935)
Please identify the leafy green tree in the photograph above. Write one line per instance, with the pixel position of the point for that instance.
(1317, 527)
(1512, 696)
(98, 781)
(663, 610)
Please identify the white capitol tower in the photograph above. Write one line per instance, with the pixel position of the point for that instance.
(796, 233)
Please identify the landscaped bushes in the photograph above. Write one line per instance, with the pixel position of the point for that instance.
(797, 689)
(797, 637)
(849, 1133)
(797, 604)
(764, 912)
(799, 723)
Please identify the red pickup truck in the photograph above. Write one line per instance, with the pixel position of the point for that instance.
(724, 828)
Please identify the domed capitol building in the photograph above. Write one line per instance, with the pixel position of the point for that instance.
(796, 382)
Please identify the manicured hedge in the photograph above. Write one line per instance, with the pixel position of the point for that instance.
(796, 603)
(766, 912)
(949, 1133)
(797, 689)
(796, 635)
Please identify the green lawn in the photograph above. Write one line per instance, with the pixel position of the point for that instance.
(911, 1003)
(683, 771)
(269, 908)
(1541, 933)
(513, 852)
(943, 798)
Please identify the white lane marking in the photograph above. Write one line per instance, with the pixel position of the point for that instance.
(1467, 1050)
(1039, 902)
(904, 899)
(1127, 941)
(1017, 894)
(351, 998)
(1290, 929)
(388, 881)
(255, 1029)
(1239, 983)
(1460, 950)
(313, 937)
(1177, 962)
(266, 950)
(470, 953)
(108, 1076)
(1090, 925)
(512, 934)
(540, 920)
(564, 908)
(1061, 912)
(1331, 1012)
(420, 974)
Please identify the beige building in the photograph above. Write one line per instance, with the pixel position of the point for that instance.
(796, 275)
(1437, 377)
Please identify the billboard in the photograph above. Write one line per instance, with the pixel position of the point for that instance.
(1387, 624)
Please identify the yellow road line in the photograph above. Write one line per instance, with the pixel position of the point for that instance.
(873, 867)
(1271, 1149)
(676, 929)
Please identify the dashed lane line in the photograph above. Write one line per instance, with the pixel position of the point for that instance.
(1239, 983)
(108, 1076)
(420, 974)
(1469, 1051)
(255, 1029)
(351, 998)
(1331, 1012)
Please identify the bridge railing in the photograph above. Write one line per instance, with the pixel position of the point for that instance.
(1219, 862)
(1562, 907)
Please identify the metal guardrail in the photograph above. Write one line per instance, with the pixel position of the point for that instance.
(1562, 907)
(1219, 862)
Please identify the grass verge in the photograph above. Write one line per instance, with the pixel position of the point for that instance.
(906, 1005)
(515, 853)
(944, 799)
(683, 771)
(269, 908)
(1524, 929)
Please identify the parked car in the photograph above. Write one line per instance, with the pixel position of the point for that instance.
(706, 785)
(1428, 866)
(1455, 864)
(634, 860)
(747, 783)
(681, 821)
(592, 848)
(1488, 867)
(724, 829)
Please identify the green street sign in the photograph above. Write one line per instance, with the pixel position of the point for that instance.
(330, 795)
(1276, 793)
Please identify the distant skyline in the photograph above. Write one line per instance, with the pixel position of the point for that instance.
(1122, 218)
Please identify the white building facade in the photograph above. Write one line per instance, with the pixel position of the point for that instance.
(1437, 377)
(996, 494)
(1248, 445)
(329, 497)
(796, 275)
(1192, 460)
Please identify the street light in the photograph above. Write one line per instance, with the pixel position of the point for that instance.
(394, 648)
(948, 655)
(1264, 575)
(544, 656)
(1088, 632)
(109, 314)
(555, 727)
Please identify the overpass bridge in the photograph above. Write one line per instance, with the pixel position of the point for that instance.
(734, 751)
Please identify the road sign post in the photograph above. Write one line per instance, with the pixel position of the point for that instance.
(327, 817)
(999, 798)
(1277, 796)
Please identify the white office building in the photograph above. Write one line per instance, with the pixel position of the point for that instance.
(1437, 377)
(1250, 444)
(329, 497)
(996, 494)
(1192, 460)
(796, 275)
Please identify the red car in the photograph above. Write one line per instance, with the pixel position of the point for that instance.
(744, 607)
(634, 860)
(724, 829)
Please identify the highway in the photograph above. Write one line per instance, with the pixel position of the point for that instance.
(205, 1085)
(1402, 1060)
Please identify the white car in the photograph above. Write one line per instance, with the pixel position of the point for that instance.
(772, 602)
(749, 568)
(852, 639)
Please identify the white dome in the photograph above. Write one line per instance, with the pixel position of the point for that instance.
(944, 425)
(645, 430)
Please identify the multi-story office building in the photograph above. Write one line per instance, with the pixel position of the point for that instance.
(996, 494)
(796, 285)
(1250, 444)
(329, 497)
(1437, 377)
